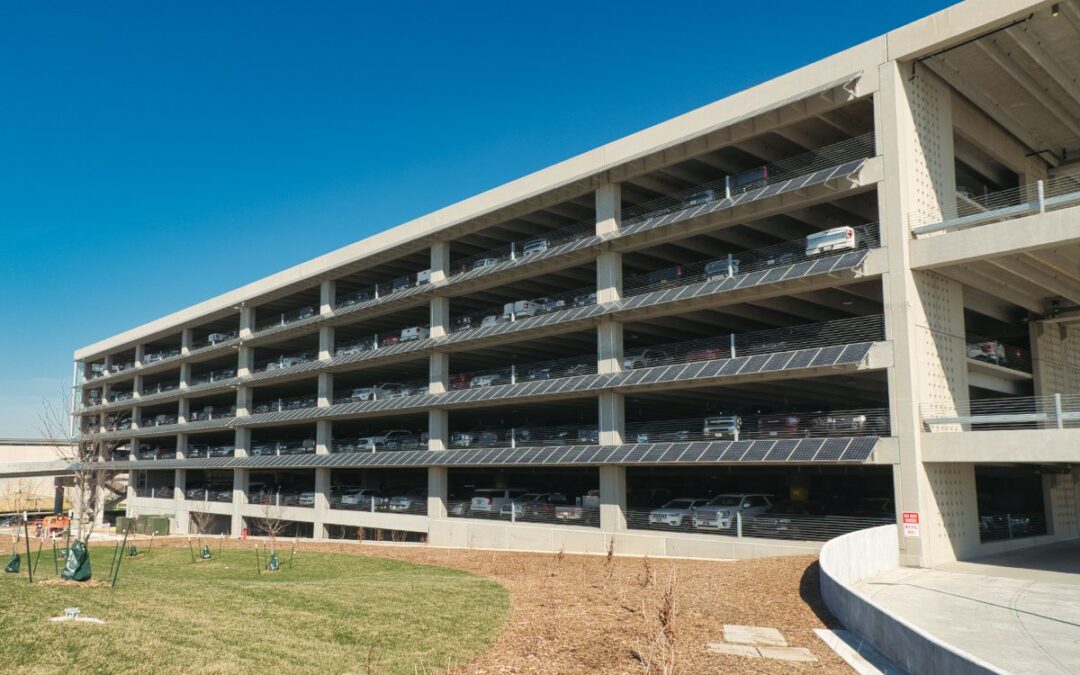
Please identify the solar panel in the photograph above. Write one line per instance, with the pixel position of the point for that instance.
(778, 361)
(734, 451)
(856, 352)
(827, 356)
(860, 449)
(755, 363)
(832, 450)
(757, 451)
(781, 450)
(806, 450)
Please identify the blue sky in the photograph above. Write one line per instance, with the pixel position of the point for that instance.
(153, 155)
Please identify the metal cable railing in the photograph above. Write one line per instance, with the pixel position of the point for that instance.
(204, 450)
(968, 209)
(383, 289)
(158, 420)
(281, 498)
(153, 357)
(156, 453)
(788, 424)
(997, 526)
(384, 339)
(281, 404)
(530, 436)
(382, 391)
(859, 147)
(757, 260)
(210, 493)
(522, 309)
(117, 396)
(213, 376)
(158, 492)
(1000, 414)
(285, 447)
(515, 373)
(283, 361)
(213, 413)
(998, 353)
(213, 339)
(550, 508)
(285, 318)
(159, 388)
(524, 248)
(802, 521)
(838, 332)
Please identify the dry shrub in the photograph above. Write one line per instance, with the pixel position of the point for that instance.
(656, 650)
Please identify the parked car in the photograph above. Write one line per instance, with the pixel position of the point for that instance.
(518, 310)
(835, 239)
(481, 263)
(490, 500)
(722, 427)
(412, 500)
(215, 338)
(364, 497)
(786, 519)
(545, 305)
(538, 245)
(781, 426)
(414, 333)
(585, 510)
(698, 198)
(490, 380)
(645, 358)
(355, 347)
(990, 351)
(221, 451)
(677, 512)
(400, 439)
(721, 511)
(846, 424)
(721, 268)
(533, 506)
(585, 299)
(355, 298)
(306, 499)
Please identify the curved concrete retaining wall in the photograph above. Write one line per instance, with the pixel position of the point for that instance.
(853, 557)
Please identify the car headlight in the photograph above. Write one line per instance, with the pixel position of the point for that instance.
(723, 514)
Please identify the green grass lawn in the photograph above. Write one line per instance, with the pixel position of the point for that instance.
(331, 613)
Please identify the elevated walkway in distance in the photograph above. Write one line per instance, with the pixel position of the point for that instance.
(32, 469)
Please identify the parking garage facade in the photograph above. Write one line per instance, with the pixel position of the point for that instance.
(797, 312)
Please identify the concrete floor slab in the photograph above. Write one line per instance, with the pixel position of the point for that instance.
(1020, 619)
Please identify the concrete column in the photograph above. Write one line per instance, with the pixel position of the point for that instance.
(438, 491)
(608, 209)
(181, 446)
(1055, 358)
(185, 375)
(326, 343)
(323, 437)
(243, 401)
(322, 502)
(612, 418)
(241, 477)
(247, 322)
(140, 354)
(180, 485)
(136, 417)
(136, 387)
(438, 429)
(609, 346)
(438, 372)
(440, 316)
(242, 442)
(183, 410)
(327, 296)
(923, 313)
(612, 498)
(187, 336)
(326, 390)
(440, 262)
(245, 361)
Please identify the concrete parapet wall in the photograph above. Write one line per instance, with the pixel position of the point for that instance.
(853, 557)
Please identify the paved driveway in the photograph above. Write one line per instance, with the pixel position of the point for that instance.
(1019, 611)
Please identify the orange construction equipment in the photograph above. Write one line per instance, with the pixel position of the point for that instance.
(56, 524)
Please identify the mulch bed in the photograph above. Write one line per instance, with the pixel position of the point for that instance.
(594, 614)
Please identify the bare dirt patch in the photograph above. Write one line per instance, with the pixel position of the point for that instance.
(596, 614)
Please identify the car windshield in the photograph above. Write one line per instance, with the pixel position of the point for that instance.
(725, 500)
(678, 504)
(530, 497)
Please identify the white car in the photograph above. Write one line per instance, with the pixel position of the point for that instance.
(491, 500)
(519, 309)
(484, 262)
(721, 511)
(306, 499)
(538, 245)
(677, 512)
(364, 497)
(414, 333)
(836, 239)
(489, 380)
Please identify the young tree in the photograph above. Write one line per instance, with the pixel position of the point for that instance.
(84, 452)
(271, 522)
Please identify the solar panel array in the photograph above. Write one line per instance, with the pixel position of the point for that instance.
(812, 357)
(647, 222)
(795, 450)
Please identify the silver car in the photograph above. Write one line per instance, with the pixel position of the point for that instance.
(677, 512)
(722, 510)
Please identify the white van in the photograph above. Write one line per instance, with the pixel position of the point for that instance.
(519, 309)
(836, 239)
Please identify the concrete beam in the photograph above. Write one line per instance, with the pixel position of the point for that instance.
(1032, 446)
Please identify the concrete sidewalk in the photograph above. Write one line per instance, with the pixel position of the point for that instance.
(1019, 611)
